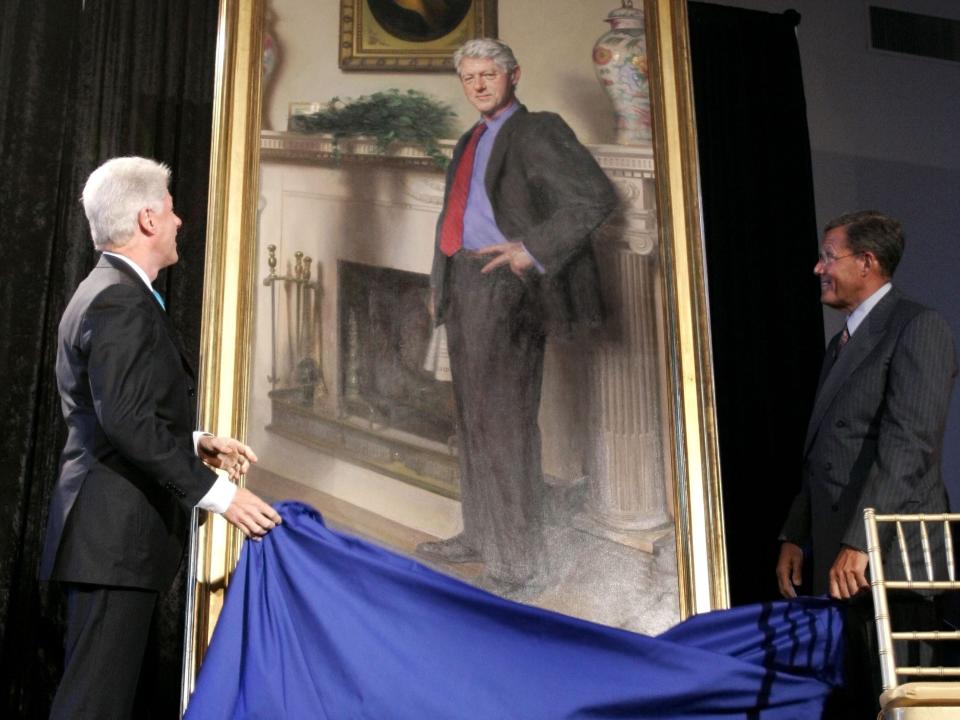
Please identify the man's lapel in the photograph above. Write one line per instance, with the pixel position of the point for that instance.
(861, 344)
(455, 158)
(498, 152)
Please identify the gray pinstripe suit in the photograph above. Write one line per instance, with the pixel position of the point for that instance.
(875, 436)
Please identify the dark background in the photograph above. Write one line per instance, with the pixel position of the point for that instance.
(761, 245)
(78, 86)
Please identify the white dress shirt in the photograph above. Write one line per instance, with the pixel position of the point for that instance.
(863, 309)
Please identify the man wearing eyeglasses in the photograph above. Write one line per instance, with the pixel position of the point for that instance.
(875, 436)
(513, 260)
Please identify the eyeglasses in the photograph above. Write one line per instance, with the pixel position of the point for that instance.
(825, 259)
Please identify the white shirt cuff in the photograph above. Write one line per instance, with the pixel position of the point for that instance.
(219, 497)
(197, 434)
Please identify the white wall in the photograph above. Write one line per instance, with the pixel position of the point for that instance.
(883, 135)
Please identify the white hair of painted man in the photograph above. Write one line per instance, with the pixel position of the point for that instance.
(486, 48)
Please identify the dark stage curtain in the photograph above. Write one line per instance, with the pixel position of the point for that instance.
(761, 246)
(79, 83)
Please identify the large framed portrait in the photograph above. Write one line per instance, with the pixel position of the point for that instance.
(412, 35)
(318, 349)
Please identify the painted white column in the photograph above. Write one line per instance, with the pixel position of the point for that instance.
(626, 463)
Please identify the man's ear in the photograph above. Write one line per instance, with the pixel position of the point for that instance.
(145, 220)
(515, 76)
(870, 262)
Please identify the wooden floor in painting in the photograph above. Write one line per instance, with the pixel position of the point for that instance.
(347, 517)
(590, 576)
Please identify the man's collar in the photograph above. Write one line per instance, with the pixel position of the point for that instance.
(864, 308)
(136, 268)
(501, 117)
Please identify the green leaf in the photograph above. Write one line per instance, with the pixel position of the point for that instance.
(386, 116)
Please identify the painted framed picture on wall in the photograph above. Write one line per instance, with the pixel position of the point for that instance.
(414, 35)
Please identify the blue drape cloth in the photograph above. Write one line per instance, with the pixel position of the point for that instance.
(318, 624)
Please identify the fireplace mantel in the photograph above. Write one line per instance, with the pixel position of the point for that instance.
(618, 160)
(319, 149)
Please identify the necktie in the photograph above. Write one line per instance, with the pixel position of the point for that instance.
(451, 233)
(159, 298)
(844, 339)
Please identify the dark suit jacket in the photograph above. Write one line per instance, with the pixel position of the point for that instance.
(547, 192)
(129, 475)
(875, 436)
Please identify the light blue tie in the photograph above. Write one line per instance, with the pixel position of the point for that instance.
(159, 298)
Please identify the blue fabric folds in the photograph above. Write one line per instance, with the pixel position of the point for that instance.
(318, 624)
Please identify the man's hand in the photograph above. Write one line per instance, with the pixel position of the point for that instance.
(226, 454)
(512, 253)
(251, 514)
(789, 569)
(848, 576)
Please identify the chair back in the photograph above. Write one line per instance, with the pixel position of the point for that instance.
(934, 570)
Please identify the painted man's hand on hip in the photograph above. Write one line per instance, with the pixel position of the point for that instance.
(507, 253)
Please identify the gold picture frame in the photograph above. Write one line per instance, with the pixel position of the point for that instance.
(378, 35)
(231, 286)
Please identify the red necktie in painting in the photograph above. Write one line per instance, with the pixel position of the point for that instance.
(451, 234)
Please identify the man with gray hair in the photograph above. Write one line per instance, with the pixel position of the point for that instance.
(132, 467)
(875, 438)
(513, 261)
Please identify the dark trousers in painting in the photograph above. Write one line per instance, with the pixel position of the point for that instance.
(495, 336)
(107, 631)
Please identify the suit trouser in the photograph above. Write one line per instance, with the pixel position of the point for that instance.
(107, 631)
(862, 679)
(495, 337)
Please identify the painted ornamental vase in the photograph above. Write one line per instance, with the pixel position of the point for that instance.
(620, 61)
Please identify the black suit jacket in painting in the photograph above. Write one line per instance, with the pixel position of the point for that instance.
(547, 192)
(129, 474)
(875, 437)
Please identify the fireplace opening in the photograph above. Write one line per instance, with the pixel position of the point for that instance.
(385, 329)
